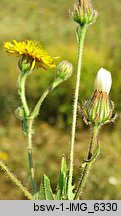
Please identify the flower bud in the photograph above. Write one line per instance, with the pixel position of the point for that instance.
(19, 112)
(64, 70)
(26, 64)
(103, 81)
(83, 13)
(99, 108)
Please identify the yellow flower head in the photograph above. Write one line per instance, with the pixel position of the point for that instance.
(31, 50)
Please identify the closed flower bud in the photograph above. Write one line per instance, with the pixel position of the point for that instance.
(103, 81)
(26, 64)
(99, 108)
(19, 112)
(64, 70)
(83, 13)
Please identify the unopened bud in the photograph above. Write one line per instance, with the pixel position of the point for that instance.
(103, 81)
(26, 64)
(19, 112)
(99, 108)
(83, 13)
(64, 70)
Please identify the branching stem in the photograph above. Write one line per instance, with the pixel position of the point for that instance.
(36, 110)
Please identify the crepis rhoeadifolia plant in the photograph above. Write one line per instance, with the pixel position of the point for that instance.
(96, 111)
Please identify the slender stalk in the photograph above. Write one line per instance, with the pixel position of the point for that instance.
(40, 101)
(81, 36)
(15, 181)
(93, 142)
(30, 123)
(30, 158)
(93, 145)
(21, 91)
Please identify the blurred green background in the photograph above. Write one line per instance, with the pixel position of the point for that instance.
(48, 22)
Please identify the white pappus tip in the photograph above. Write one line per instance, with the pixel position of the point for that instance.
(103, 81)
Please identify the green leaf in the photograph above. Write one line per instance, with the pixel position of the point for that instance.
(62, 185)
(45, 192)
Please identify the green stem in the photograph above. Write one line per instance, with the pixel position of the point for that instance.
(92, 148)
(30, 123)
(30, 158)
(81, 36)
(15, 181)
(35, 112)
(93, 143)
(21, 91)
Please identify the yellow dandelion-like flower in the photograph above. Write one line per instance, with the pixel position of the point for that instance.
(31, 50)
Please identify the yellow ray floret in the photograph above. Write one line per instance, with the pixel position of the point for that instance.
(32, 49)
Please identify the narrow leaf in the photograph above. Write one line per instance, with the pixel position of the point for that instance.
(63, 181)
(45, 192)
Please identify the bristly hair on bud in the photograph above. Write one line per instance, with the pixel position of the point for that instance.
(83, 13)
(64, 70)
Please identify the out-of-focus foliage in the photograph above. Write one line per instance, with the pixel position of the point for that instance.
(48, 22)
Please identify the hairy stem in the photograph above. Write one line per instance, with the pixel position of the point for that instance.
(21, 91)
(30, 157)
(81, 36)
(15, 181)
(90, 160)
(36, 110)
